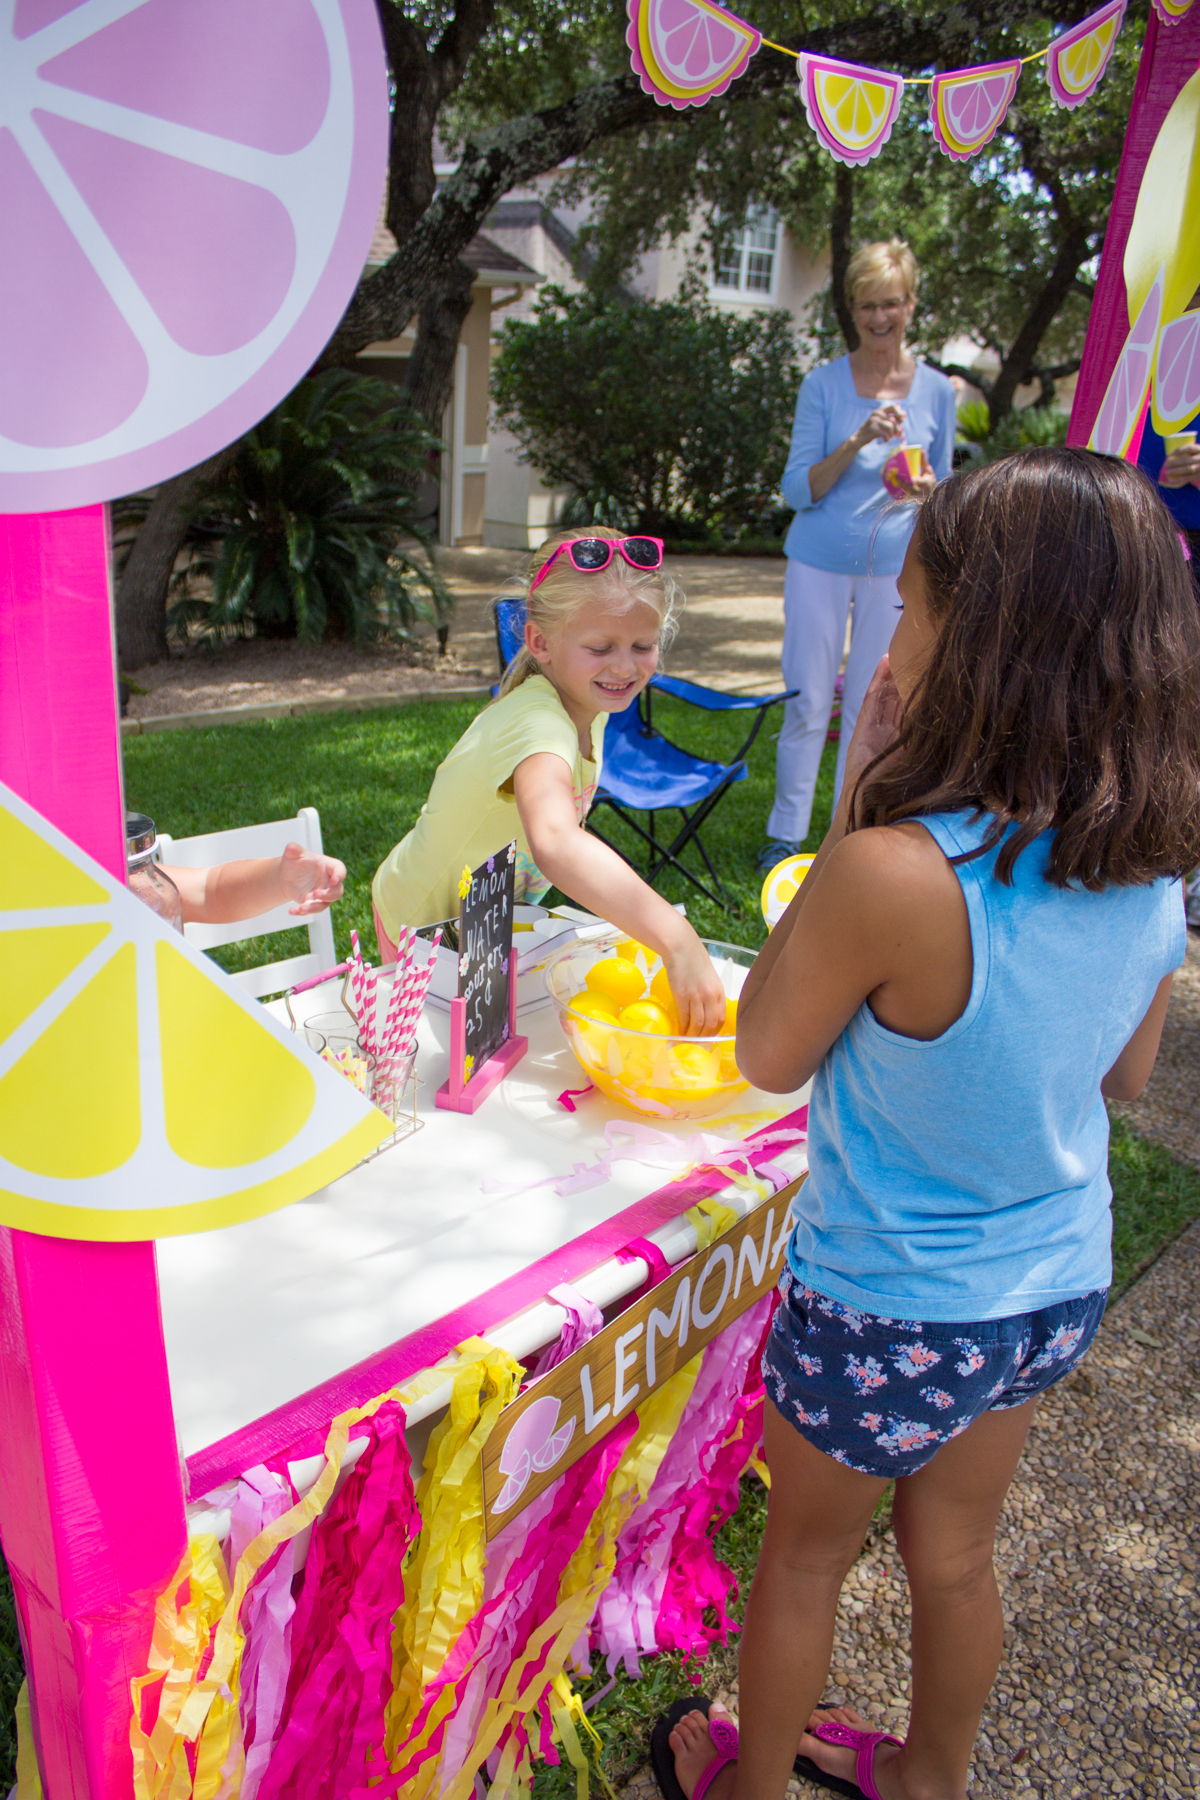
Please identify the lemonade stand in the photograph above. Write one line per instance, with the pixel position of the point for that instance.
(326, 1472)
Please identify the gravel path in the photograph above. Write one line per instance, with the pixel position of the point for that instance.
(1097, 1552)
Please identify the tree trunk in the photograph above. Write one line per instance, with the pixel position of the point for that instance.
(141, 599)
(841, 227)
(429, 378)
(1019, 362)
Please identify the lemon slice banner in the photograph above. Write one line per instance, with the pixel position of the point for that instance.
(1118, 426)
(1076, 61)
(687, 51)
(967, 106)
(142, 1094)
(851, 109)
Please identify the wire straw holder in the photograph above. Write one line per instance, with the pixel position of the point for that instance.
(393, 1087)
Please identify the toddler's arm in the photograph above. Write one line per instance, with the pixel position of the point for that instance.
(231, 891)
(599, 879)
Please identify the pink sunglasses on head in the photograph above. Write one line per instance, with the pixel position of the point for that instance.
(591, 554)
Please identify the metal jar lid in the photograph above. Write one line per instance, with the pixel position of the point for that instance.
(141, 836)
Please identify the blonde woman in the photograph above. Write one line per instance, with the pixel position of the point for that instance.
(847, 541)
(599, 607)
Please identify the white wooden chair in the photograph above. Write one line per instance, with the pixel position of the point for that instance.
(259, 840)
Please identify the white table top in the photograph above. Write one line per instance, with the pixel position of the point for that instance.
(258, 1313)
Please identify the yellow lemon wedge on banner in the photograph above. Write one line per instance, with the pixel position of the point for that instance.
(1079, 62)
(141, 1093)
(856, 109)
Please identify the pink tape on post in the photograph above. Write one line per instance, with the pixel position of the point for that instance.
(82, 1361)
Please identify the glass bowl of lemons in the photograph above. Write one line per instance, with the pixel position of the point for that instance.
(614, 1003)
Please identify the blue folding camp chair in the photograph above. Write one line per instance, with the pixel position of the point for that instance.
(645, 772)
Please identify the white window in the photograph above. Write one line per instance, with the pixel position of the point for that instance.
(747, 256)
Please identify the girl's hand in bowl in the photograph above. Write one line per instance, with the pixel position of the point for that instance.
(696, 989)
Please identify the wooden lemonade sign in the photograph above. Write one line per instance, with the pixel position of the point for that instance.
(569, 1410)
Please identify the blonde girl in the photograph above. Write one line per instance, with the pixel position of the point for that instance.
(599, 610)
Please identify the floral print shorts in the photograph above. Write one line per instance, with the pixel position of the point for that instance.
(880, 1395)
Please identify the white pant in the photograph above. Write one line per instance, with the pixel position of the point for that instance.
(815, 607)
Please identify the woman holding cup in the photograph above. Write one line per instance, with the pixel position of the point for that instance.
(847, 541)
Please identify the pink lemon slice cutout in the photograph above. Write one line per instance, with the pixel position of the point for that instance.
(1076, 61)
(686, 51)
(1177, 374)
(851, 109)
(967, 106)
(1123, 408)
(1171, 11)
(190, 194)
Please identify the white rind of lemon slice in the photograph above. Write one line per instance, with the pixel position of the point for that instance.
(1125, 396)
(141, 1093)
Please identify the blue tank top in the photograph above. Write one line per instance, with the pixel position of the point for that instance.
(966, 1177)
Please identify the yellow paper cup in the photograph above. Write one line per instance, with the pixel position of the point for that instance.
(915, 457)
(1180, 440)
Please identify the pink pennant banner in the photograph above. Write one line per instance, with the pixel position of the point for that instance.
(1171, 11)
(851, 109)
(687, 51)
(967, 106)
(1076, 61)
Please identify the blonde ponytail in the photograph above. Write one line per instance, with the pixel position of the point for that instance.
(565, 592)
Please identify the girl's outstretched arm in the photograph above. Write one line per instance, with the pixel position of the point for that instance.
(599, 879)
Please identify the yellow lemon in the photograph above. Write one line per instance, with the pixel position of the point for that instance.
(730, 1026)
(618, 979)
(646, 1015)
(630, 949)
(594, 1006)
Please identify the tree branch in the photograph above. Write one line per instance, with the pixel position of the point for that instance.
(516, 151)
(841, 225)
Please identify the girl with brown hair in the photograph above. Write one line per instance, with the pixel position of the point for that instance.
(983, 950)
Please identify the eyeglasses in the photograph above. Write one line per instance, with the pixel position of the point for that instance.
(589, 555)
(889, 307)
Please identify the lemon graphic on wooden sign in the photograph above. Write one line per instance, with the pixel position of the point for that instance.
(141, 1093)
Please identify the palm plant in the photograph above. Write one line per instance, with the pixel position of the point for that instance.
(310, 533)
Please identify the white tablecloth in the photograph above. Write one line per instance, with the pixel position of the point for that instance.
(258, 1313)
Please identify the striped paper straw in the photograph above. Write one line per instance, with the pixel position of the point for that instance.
(400, 982)
(358, 981)
(367, 1023)
(413, 1002)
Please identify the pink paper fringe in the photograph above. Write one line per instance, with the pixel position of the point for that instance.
(340, 1678)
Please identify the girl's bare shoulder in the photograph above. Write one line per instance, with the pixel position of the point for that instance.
(882, 871)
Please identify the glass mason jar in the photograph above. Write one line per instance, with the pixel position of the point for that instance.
(146, 879)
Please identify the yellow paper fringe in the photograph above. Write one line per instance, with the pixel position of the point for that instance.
(29, 1776)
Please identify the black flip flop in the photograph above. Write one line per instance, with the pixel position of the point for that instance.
(808, 1770)
(662, 1757)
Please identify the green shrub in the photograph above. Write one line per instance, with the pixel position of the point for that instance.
(310, 532)
(1045, 425)
(663, 416)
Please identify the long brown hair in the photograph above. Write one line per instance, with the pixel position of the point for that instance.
(1063, 689)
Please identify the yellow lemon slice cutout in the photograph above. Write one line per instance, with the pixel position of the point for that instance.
(141, 1093)
(779, 888)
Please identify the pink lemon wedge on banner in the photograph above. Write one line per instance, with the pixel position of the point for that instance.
(1119, 420)
(1177, 374)
(141, 1093)
(966, 106)
(687, 51)
(189, 194)
(851, 109)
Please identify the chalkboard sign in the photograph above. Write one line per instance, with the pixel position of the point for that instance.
(485, 964)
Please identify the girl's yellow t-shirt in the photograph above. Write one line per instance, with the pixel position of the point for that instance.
(471, 812)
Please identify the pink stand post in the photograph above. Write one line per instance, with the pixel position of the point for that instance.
(457, 1095)
(91, 1501)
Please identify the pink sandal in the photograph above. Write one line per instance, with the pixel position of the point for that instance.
(721, 1730)
(831, 1731)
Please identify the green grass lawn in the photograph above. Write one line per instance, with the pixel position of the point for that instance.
(368, 774)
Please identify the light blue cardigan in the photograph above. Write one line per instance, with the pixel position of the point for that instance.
(857, 529)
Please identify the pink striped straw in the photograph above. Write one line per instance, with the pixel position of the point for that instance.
(367, 1023)
(358, 980)
(400, 982)
(414, 1001)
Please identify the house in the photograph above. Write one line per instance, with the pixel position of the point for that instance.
(501, 278)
